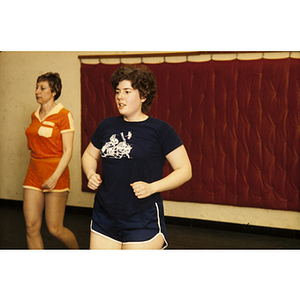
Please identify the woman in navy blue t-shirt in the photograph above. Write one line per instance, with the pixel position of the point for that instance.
(128, 209)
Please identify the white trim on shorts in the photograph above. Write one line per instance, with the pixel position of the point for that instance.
(101, 234)
(45, 191)
(136, 243)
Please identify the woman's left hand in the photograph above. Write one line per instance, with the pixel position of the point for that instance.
(142, 189)
(50, 183)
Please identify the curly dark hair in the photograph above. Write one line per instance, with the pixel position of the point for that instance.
(54, 82)
(141, 78)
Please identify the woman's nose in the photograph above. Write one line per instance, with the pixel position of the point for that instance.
(120, 95)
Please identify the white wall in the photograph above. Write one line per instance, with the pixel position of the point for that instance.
(18, 73)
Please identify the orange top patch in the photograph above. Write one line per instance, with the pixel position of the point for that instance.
(45, 136)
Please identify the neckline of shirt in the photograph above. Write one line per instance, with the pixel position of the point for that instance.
(135, 122)
(56, 109)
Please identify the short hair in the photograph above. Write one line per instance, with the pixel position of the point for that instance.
(141, 78)
(54, 82)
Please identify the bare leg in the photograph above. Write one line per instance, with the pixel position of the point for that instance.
(154, 244)
(98, 242)
(55, 205)
(33, 208)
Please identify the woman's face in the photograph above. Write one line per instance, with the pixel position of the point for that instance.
(128, 101)
(43, 92)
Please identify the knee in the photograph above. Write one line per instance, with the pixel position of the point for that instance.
(33, 229)
(55, 230)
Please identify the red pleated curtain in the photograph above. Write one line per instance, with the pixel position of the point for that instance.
(239, 121)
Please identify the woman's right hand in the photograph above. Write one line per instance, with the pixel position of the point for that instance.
(94, 181)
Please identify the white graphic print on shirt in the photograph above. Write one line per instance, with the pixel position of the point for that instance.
(116, 149)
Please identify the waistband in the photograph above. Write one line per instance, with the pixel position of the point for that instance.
(50, 159)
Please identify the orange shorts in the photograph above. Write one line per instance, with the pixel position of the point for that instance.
(39, 170)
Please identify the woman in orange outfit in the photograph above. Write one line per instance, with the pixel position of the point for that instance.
(47, 183)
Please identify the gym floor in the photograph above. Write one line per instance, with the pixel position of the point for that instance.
(182, 233)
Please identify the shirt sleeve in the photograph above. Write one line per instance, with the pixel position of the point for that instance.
(170, 141)
(96, 137)
(67, 123)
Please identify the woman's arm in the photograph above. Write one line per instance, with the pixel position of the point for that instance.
(89, 161)
(67, 140)
(182, 172)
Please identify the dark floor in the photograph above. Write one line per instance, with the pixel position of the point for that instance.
(182, 233)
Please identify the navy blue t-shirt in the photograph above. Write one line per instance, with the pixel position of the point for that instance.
(130, 152)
